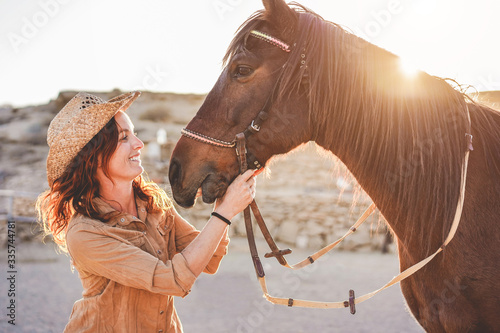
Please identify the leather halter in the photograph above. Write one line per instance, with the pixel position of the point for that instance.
(262, 116)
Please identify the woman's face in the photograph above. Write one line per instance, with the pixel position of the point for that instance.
(125, 163)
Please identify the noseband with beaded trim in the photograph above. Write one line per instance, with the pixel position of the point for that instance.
(206, 139)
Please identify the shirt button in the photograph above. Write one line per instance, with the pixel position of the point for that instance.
(161, 312)
(134, 217)
(122, 220)
(159, 251)
(142, 209)
(144, 233)
(160, 331)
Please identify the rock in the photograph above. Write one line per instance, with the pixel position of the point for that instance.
(302, 241)
(317, 242)
(288, 232)
(314, 228)
(6, 114)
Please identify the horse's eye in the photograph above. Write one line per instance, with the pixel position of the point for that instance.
(243, 71)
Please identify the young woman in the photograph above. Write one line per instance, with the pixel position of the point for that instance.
(132, 250)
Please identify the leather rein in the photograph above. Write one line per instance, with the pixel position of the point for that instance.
(239, 143)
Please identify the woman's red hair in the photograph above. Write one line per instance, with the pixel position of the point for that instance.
(74, 191)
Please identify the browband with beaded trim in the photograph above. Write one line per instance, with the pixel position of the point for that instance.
(271, 40)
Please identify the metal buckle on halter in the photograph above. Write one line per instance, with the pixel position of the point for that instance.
(256, 128)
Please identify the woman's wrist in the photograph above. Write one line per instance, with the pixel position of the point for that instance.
(225, 211)
(221, 217)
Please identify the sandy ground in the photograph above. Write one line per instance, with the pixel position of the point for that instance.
(231, 300)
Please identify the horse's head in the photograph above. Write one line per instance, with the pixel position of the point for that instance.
(249, 89)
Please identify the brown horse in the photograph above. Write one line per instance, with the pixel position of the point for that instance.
(403, 138)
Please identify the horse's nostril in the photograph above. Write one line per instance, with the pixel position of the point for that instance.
(174, 172)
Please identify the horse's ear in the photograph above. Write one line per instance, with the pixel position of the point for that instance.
(280, 16)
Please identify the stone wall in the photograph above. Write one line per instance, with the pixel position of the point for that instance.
(307, 201)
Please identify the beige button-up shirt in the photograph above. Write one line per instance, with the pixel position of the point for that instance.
(130, 269)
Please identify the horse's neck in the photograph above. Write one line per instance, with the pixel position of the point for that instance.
(388, 130)
(380, 186)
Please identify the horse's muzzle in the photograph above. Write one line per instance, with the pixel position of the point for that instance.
(184, 186)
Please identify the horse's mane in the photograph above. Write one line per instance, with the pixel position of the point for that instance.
(411, 129)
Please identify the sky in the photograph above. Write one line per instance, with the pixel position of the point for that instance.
(177, 46)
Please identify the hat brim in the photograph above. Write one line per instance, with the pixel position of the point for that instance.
(81, 130)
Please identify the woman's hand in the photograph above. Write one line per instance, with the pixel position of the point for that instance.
(238, 195)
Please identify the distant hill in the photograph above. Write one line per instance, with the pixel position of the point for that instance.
(490, 98)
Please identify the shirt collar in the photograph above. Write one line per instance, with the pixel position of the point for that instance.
(122, 219)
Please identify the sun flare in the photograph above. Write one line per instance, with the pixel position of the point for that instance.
(408, 68)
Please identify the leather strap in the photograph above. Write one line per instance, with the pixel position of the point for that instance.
(241, 153)
(276, 252)
(350, 303)
(403, 275)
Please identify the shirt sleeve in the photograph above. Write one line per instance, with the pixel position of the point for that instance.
(186, 232)
(98, 252)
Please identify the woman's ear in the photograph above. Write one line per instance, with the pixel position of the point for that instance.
(281, 17)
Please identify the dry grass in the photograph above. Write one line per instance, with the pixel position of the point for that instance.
(157, 114)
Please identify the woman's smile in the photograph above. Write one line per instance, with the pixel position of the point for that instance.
(136, 158)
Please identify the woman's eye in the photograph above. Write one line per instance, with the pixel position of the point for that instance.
(243, 71)
(125, 136)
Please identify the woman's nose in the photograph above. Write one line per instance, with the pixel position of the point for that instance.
(138, 144)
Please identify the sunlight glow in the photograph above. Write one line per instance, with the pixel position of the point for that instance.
(408, 68)
(38, 35)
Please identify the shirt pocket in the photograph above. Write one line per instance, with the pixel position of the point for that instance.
(137, 240)
(132, 237)
(128, 234)
(165, 225)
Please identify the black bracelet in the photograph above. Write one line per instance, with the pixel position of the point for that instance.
(220, 217)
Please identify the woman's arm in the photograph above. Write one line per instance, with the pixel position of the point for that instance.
(185, 233)
(97, 250)
(103, 251)
(238, 196)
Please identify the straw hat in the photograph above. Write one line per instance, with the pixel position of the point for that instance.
(76, 124)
